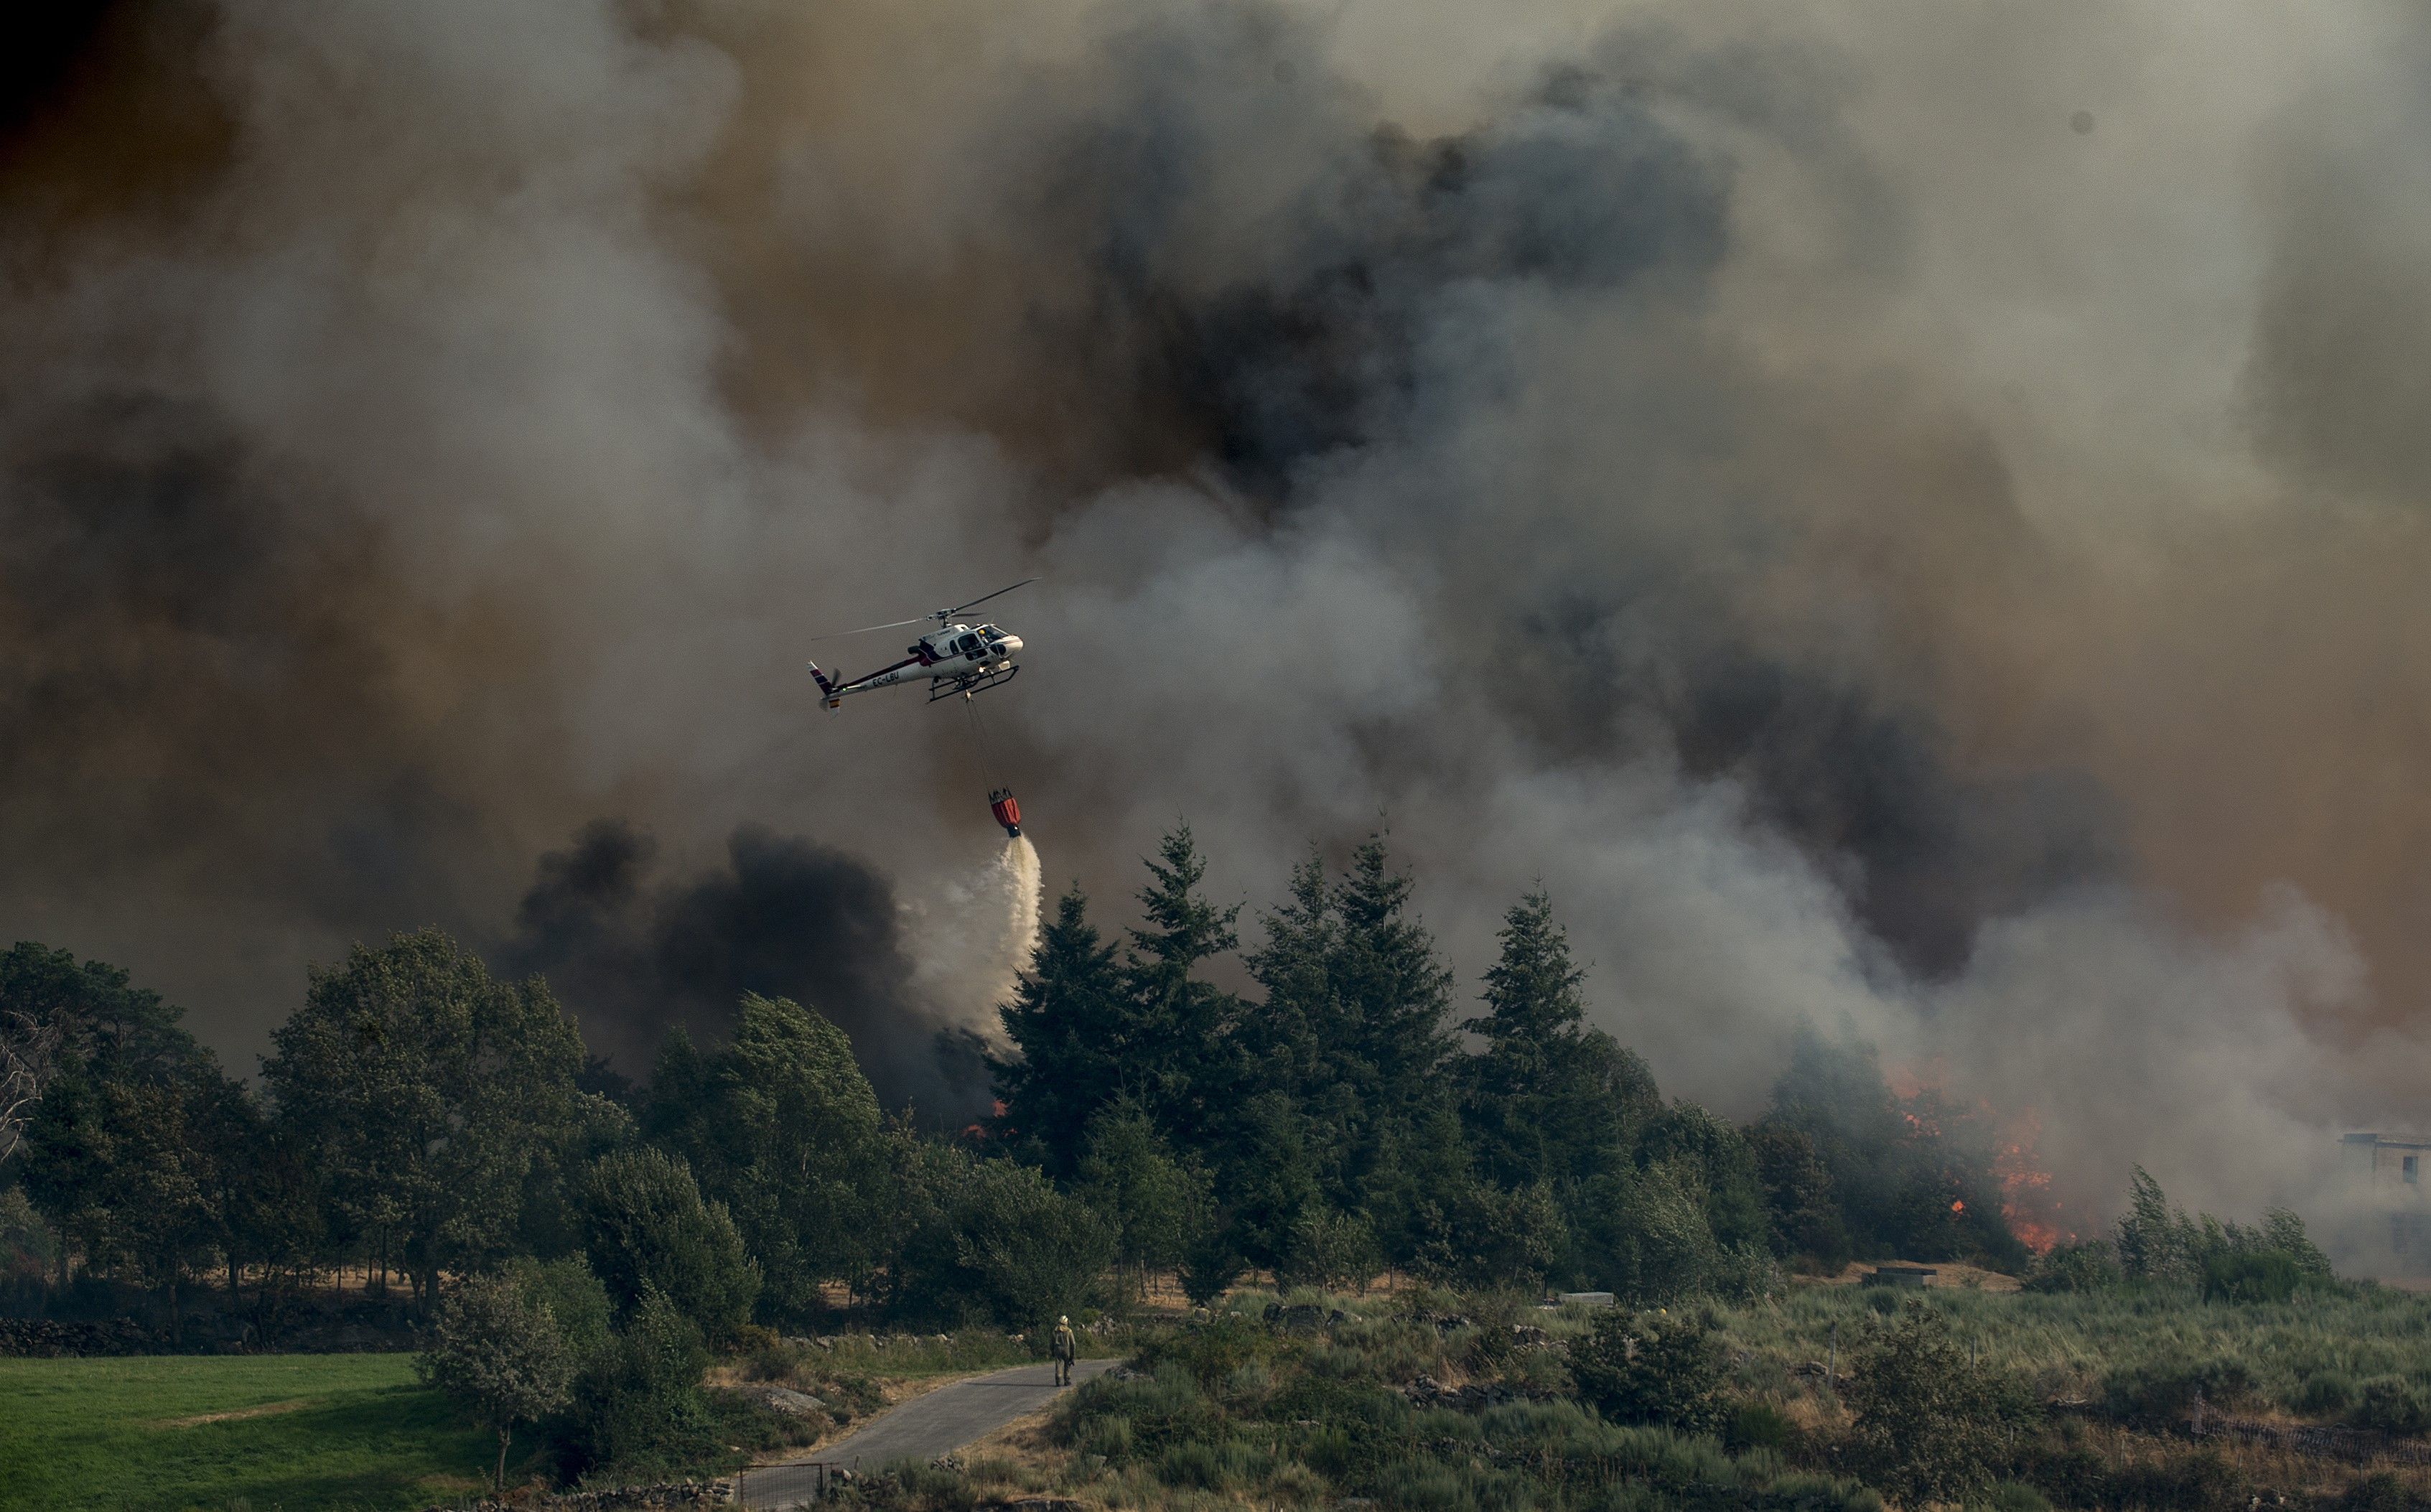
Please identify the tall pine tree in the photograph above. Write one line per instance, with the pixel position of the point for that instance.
(1289, 1039)
(1395, 993)
(1071, 1022)
(1550, 1100)
(1288, 1128)
(1187, 1061)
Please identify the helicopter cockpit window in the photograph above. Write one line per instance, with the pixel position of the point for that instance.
(967, 645)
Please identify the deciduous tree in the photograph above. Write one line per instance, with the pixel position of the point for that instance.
(784, 1129)
(500, 1355)
(650, 1233)
(1155, 1204)
(995, 1242)
(424, 1094)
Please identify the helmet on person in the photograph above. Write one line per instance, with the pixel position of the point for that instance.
(1064, 1320)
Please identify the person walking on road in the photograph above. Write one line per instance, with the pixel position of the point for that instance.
(1062, 1347)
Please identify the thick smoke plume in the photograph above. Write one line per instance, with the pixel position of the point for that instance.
(783, 917)
(1906, 518)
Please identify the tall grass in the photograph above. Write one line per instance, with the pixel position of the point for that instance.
(1235, 1409)
(2288, 1355)
(1304, 1411)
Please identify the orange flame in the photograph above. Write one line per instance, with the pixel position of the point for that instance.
(2027, 1205)
(2033, 1213)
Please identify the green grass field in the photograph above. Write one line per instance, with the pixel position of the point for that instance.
(350, 1431)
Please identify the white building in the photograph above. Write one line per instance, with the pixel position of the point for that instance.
(2387, 1176)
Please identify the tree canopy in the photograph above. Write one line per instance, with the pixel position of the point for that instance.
(1320, 1104)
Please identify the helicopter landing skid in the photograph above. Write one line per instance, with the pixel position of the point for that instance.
(976, 682)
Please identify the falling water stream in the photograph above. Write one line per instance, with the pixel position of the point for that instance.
(1022, 889)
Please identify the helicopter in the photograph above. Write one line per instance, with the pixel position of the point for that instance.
(954, 657)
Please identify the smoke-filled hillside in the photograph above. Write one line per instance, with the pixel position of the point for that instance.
(1903, 518)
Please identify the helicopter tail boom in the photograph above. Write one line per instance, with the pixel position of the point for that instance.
(831, 693)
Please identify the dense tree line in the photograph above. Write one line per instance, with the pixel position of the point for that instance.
(421, 1118)
(1338, 1122)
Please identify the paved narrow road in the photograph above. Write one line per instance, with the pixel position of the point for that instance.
(922, 1428)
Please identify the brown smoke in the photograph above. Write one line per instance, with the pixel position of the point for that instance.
(1906, 518)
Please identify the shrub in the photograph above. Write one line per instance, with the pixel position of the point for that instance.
(1660, 1368)
(2377, 1492)
(638, 1405)
(1819, 1493)
(648, 1231)
(1209, 1348)
(1157, 1413)
(2250, 1276)
(1930, 1426)
(909, 1484)
(2162, 1395)
(2326, 1394)
(1762, 1425)
(1108, 1439)
(2392, 1406)
(773, 1358)
(1193, 1462)
(2014, 1496)
(2195, 1482)
(2091, 1265)
(1426, 1486)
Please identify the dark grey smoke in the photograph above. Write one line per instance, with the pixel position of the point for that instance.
(1310, 348)
(1882, 557)
(1313, 352)
(636, 956)
(1927, 853)
(199, 674)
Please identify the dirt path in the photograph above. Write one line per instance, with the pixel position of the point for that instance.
(926, 1427)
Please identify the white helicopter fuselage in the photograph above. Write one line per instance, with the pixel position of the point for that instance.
(958, 650)
(947, 655)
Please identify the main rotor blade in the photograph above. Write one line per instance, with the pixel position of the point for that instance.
(984, 598)
(898, 624)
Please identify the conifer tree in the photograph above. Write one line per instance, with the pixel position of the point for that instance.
(1072, 1023)
(1287, 1037)
(1395, 991)
(1395, 1040)
(1292, 1053)
(1550, 1098)
(1154, 1202)
(1186, 1060)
